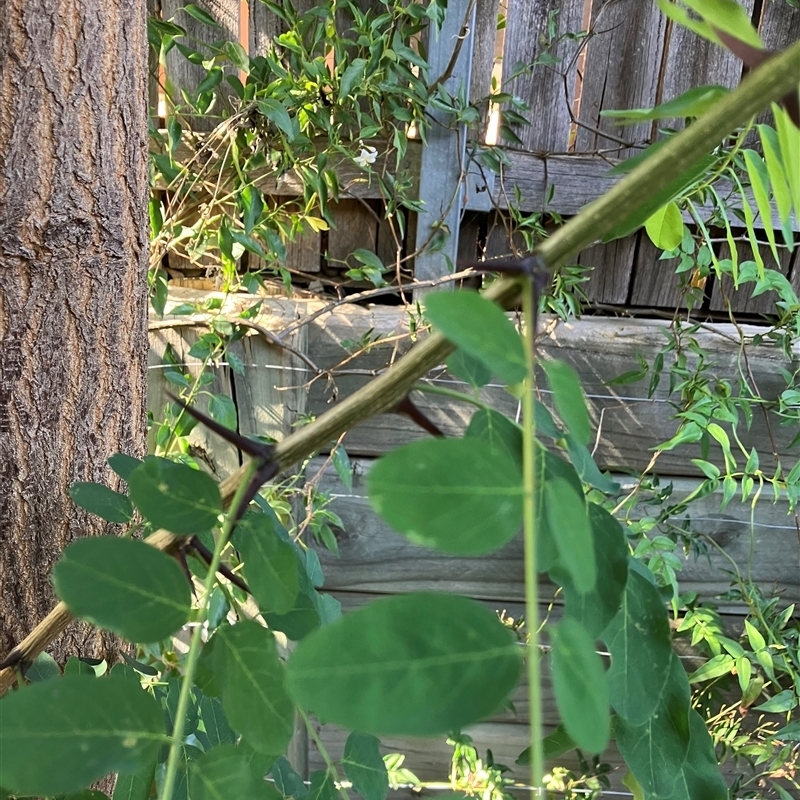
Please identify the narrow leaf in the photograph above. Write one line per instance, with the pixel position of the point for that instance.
(566, 513)
(569, 400)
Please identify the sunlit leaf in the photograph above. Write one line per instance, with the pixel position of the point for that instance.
(226, 772)
(123, 585)
(665, 227)
(403, 665)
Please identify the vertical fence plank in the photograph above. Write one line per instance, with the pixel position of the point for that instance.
(655, 283)
(443, 155)
(544, 89)
(483, 56)
(694, 61)
(263, 27)
(184, 75)
(356, 228)
(612, 271)
(621, 70)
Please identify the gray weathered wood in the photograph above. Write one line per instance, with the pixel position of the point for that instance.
(373, 558)
(612, 271)
(184, 75)
(444, 154)
(356, 227)
(655, 282)
(270, 396)
(694, 61)
(547, 90)
(599, 349)
(741, 301)
(263, 27)
(621, 70)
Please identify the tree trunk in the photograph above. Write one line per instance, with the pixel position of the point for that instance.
(73, 286)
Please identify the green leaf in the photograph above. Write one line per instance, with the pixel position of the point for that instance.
(568, 398)
(253, 207)
(587, 468)
(699, 775)
(222, 409)
(789, 141)
(569, 523)
(174, 496)
(643, 211)
(692, 103)
(125, 586)
(59, 736)
(364, 766)
(403, 665)
(299, 621)
(641, 652)
(135, 785)
(225, 772)
(470, 369)
(790, 733)
(43, 668)
(481, 329)
(776, 171)
(759, 181)
(713, 668)
(580, 687)
(287, 781)
(123, 464)
(323, 786)
(102, 501)
(200, 14)
(595, 609)
(276, 112)
(215, 728)
(780, 703)
(458, 495)
(665, 227)
(251, 678)
(352, 75)
(656, 749)
(503, 434)
(270, 564)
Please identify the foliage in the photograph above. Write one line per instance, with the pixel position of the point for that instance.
(215, 719)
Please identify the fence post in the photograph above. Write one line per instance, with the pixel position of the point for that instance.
(443, 157)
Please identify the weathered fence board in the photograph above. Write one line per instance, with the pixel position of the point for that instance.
(373, 558)
(624, 33)
(598, 349)
(544, 88)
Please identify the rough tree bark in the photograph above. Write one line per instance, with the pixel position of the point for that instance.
(73, 288)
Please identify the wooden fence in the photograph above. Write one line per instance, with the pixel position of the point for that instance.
(373, 560)
(633, 58)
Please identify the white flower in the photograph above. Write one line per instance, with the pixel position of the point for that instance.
(366, 156)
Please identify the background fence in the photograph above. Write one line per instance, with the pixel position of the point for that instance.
(633, 58)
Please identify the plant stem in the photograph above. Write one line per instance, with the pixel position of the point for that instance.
(194, 646)
(529, 522)
(444, 392)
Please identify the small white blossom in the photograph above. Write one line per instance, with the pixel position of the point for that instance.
(366, 156)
